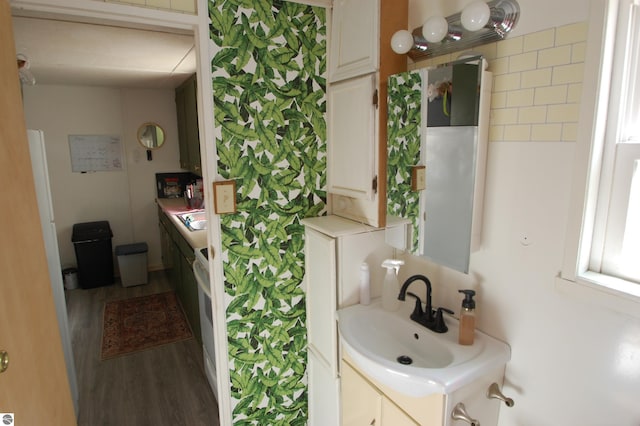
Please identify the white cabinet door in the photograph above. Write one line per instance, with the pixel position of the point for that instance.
(321, 297)
(394, 416)
(351, 151)
(361, 402)
(324, 393)
(354, 39)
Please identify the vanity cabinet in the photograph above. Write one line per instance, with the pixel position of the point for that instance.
(364, 404)
(187, 117)
(360, 62)
(366, 401)
(334, 250)
(177, 258)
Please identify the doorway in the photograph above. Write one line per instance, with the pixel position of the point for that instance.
(92, 69)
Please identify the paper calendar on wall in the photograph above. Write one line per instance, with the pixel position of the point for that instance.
(95, 153)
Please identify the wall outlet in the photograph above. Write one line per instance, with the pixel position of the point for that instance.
(418, 178)
(224, 194)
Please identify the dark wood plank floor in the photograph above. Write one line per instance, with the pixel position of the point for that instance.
(161, 386)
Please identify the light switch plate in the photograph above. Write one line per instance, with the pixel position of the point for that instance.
(418, 178)
(224, 194)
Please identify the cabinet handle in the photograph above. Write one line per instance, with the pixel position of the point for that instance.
(460, 413)
(373, 422)
(494, 392)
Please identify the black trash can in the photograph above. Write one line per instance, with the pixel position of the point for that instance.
(92, 243)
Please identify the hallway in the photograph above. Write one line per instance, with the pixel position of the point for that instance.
(165, 385)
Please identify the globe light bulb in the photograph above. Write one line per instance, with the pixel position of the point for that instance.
(435, 29)
(402, 41)
(475, 15)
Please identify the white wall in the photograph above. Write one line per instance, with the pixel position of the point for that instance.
(574, 361)
(124, 198)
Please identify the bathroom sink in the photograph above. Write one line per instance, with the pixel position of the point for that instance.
(411, 359)
(195, 220)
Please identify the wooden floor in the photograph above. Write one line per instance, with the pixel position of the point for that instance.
(161, 386)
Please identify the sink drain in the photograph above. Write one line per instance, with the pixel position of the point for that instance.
(404, 360)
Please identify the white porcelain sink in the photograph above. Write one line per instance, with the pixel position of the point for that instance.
(195, 220)
(378, 340)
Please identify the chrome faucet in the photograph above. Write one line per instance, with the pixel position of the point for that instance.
(426, 318)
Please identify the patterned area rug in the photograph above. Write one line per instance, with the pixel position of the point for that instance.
(140, 323)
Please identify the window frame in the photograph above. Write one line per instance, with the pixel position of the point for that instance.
(576, 277)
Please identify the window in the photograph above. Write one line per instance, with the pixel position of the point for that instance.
(616, 242)
(603, 250)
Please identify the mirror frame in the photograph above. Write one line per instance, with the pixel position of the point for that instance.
(140, 132)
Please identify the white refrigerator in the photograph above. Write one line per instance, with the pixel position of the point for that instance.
(45, 207)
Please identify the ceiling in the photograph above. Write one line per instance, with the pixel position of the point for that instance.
(70, 53)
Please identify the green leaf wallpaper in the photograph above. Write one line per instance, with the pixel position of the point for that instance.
(403, 146)
(269, 90)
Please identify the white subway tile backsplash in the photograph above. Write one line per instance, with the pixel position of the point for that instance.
(505, 82)
(536, 78)
(563, 113)
(496, 133)
(499, 66)
(555, 56)
(546, 132)
(489, 51)
(540, 40)
(570, 132)
(568, 74)
(509, 47)
(520, 98)
(504, 116)
(517, 133)
(530, 115)
(574, 93)
(550, 95)
(498, 100)
(523, 62)
(537, 84)
(572, 33)
(578, 52)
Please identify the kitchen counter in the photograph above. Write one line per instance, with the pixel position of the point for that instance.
(173, 206)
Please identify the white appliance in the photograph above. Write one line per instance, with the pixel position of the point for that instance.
(45, 207)
(201, 271)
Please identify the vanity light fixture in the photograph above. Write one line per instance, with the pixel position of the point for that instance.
(479, 23)
(435, 29)
(475, 15)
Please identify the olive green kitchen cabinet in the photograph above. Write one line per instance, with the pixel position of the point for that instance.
(187, 115)
(177, 258)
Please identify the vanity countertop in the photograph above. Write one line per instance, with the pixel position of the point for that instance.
(174, 206)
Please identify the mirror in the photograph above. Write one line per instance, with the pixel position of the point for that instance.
(437, 135)
(151, 135)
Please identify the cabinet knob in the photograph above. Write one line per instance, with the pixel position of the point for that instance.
(460, 413)
(494, 392)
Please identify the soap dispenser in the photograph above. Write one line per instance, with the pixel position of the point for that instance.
(390, 286)
(467, 318)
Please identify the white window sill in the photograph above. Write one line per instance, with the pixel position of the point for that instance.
(602, 290)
